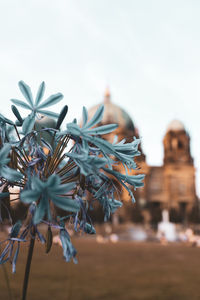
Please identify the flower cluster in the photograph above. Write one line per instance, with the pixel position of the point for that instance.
(58, 184)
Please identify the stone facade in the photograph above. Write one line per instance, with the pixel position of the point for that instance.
(170, 186)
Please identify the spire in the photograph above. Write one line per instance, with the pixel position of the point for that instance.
(107, 95)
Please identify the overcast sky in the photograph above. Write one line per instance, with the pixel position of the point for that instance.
(148, 52)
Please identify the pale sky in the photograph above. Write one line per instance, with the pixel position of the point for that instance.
(148, 52)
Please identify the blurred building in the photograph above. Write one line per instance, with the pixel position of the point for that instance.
(170, 186)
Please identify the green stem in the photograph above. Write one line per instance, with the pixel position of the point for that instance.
(17, 132)
(28, 265)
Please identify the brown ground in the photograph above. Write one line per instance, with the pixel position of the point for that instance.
(122, 271)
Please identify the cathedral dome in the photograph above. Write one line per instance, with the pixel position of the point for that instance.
(113, 114)
(175, 125)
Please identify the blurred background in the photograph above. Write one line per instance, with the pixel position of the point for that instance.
(141, 59)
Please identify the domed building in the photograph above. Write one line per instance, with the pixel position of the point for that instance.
(170, 186)
(114, 114)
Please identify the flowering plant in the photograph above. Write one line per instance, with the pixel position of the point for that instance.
(57, 182)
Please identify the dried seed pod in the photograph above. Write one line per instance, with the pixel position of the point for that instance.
(82, 181)
(49, 238)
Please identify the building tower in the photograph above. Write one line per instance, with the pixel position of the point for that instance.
(179, 172)
(177, 144)
(172, 186)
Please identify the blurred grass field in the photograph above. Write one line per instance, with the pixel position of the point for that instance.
(121, 271)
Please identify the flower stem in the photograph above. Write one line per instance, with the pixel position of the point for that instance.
(28, 265)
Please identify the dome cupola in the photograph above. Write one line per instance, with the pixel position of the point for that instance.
(175, 125)
(113, 114)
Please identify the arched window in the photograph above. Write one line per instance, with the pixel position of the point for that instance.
(180, 145)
